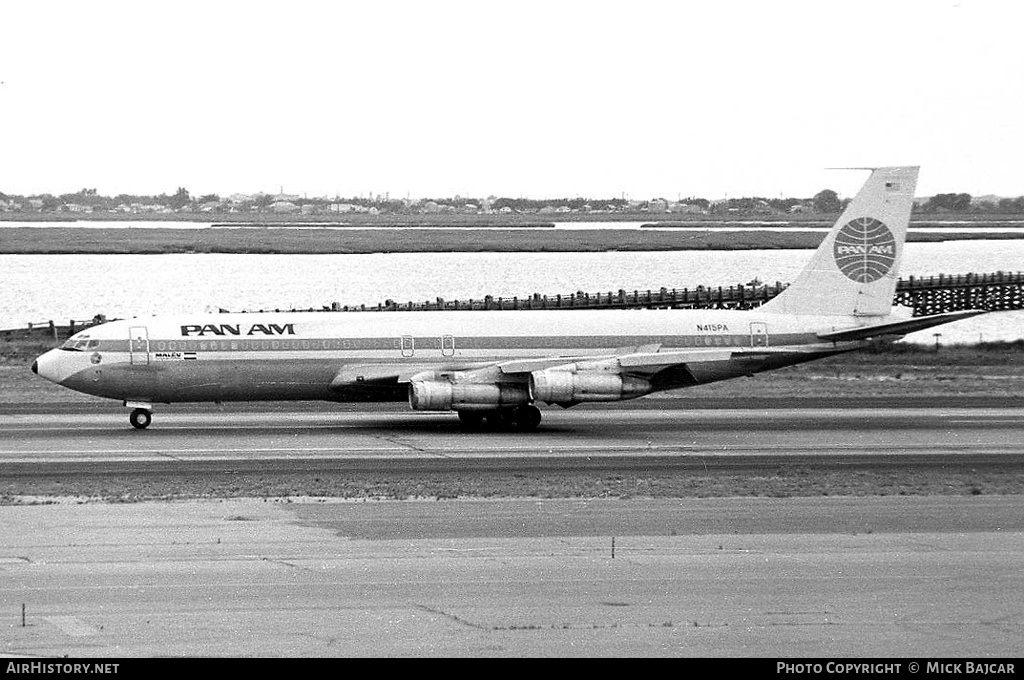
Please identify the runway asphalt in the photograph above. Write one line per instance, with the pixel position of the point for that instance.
(330, 435)
(904, 577)
(926, 575)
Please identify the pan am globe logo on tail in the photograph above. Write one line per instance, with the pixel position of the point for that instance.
(865, 250)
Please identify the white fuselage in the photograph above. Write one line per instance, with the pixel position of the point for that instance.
(369, 356)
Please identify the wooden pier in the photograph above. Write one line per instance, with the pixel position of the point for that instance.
(944, 293)
(925, 295)
(50, 330)
(722, 297)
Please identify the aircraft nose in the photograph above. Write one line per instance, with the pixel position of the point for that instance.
(51, 367)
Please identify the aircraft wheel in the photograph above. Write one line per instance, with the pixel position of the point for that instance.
(526, 418)
(500, 419)
(471, 420)
(140, 418)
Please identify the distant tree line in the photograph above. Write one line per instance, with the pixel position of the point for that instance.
(826, 201)
(950, 202)
(527, 204)
(965, 203)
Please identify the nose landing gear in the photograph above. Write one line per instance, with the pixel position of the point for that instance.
(140, 418)
(141, 415)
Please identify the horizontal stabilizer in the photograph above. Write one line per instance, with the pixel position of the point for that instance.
(897, 327)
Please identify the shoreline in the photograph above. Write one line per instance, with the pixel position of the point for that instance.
(319, 240)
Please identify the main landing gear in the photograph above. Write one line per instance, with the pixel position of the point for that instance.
(519, 418)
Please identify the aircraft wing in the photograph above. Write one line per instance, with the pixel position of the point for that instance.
(520, 366)
(628, 360)
(897, 327)
(642, 361)
(633, 362)
(389, 373)
(624, 376)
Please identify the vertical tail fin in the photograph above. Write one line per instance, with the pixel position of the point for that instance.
(854, 270)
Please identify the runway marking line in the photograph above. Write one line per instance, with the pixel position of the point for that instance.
(193, 455)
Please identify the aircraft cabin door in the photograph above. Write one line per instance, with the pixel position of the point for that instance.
(758, 334)
(448, 345)
(138, 345)
(408, 345)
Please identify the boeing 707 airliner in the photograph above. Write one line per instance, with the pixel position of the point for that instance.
(499, 365)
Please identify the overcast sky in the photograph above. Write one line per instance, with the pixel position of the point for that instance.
(555, 98)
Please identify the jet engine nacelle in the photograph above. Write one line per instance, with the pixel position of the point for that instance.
(441, 395)
(570, 387)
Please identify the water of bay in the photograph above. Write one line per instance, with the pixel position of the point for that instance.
(37, 288)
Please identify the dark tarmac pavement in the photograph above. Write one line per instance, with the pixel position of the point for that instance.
(825, 576)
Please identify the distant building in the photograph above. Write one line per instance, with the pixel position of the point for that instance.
(345, 208)
(136, 208)
(284, 207)
(687, 209)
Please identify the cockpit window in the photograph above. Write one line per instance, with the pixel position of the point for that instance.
(79, 343)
